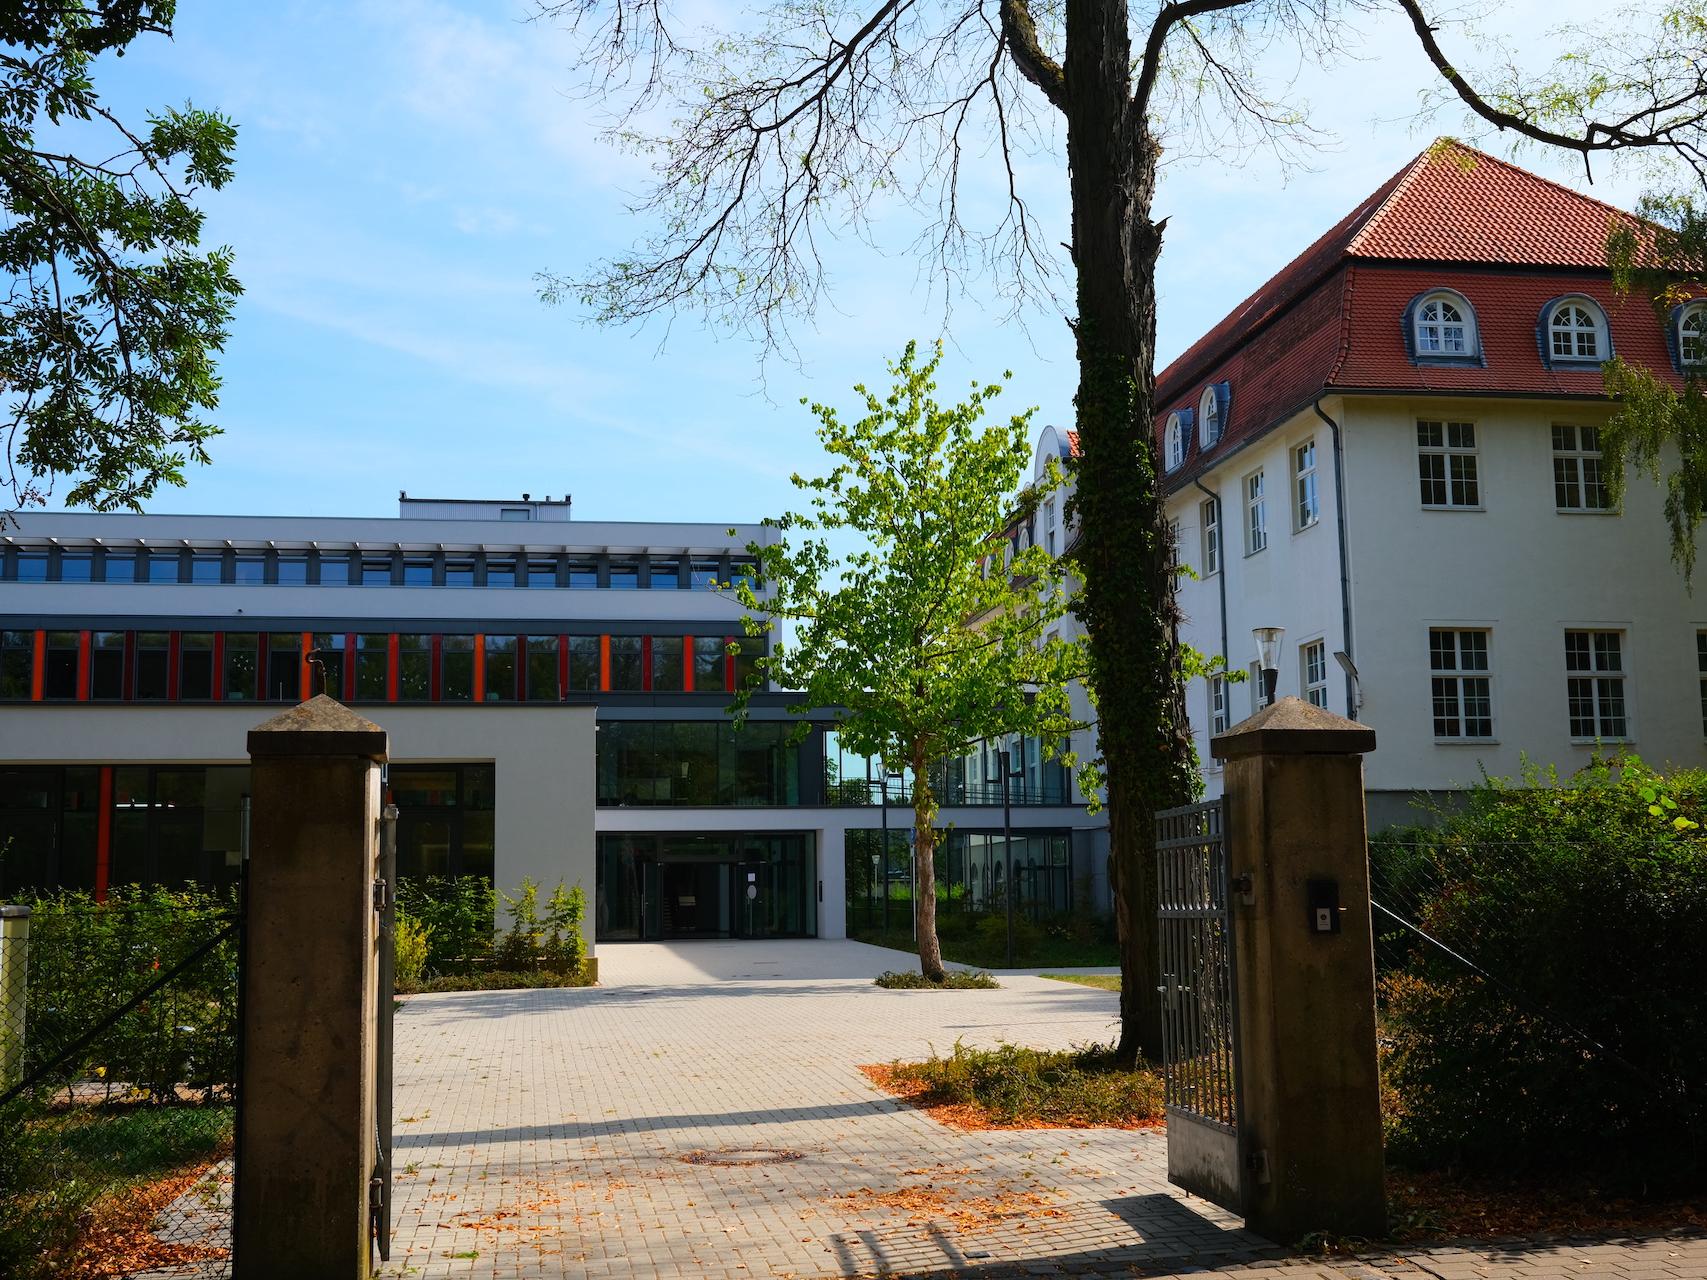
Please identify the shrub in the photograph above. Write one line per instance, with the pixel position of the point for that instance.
(499, 980)
(563, 948)
(517, 949)
(992, 937)
(1015, 1085)
(953, 980)
(458, 913)
(1581, 1041)
(411, 943)
(88, 958)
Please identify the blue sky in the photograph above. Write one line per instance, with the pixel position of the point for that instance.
(404, 168)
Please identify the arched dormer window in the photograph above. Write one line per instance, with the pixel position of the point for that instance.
(1573, 330)
(1173, 443)
(1443, 327)
(1692, 335)
(1209, 419)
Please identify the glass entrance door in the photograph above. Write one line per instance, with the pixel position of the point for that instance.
(665, 886)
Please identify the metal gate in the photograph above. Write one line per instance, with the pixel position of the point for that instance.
(385, 1006)
(1199, 1004)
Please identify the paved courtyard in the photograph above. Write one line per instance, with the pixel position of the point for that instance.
(700, 1115)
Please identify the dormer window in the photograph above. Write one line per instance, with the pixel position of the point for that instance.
(1173, 443)
(1209, 419)
(1443, 326)
(1692, 336)
(1574, 330)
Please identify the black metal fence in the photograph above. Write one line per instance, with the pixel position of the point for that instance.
(1199, 1009)
(119, 1056)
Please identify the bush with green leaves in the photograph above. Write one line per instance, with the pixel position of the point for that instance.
(952, 980)
(1016, 1085)
(412, 941)
(1576, 1035)
(458, 914)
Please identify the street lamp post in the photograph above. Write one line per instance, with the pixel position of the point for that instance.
(883, 858)
(1268, 659)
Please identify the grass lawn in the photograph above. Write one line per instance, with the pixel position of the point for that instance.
(84, 1180)
(964, 943)
(1013, 1087)
(1102, 981)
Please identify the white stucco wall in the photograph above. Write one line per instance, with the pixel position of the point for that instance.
(1517, 567)
(1293, 582)
(1524, 570)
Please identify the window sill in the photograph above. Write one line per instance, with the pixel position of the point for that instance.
(1601, 742)
(1257, 552)
(1428, 507)
(1587, 511)
(1466, 742)
(1305, 528)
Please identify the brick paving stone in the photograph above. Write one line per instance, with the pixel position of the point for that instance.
(542, 1134)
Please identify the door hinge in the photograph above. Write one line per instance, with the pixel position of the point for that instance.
(381, 893)
(1257, 1164)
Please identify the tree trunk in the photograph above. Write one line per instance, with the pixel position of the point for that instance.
(1124, 552)
(924, 868)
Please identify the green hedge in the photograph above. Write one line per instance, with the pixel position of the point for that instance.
(1582, 1043)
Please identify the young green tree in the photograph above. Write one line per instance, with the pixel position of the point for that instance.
(792, 124)
(925, 633)
(114, 314)
(1656, 427)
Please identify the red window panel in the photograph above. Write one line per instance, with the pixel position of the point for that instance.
(479, 667)
(38, 669)
(307, 674)
(728, 664)
(104, 835)
(687, 663)
(83, 641)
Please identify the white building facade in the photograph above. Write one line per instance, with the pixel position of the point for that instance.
(1391, 451)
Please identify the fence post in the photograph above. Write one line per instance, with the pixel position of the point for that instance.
(14, 986)
(1311, 1110)
(309, 991)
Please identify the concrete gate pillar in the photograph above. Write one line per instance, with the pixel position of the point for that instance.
(1311, 1110)
(306, 1104)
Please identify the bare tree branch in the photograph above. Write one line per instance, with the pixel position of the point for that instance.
(1020, 32)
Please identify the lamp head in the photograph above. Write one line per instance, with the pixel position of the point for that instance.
(1268, 646)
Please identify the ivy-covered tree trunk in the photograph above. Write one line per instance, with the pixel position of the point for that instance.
(1127, 604)
(924, 867)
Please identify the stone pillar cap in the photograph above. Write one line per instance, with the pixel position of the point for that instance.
(322, 726)
(14, 913)
(1293, 727)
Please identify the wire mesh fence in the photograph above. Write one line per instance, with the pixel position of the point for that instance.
(119, 1042)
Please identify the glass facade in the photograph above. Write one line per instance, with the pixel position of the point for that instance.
(697, 762)
(444, 818)
(714, 885)
(48, 822)
(233, 666)
(971, 874)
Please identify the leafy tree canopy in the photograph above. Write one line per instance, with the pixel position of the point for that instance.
(920, 633)
(114, 316)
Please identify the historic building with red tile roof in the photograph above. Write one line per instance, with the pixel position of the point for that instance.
(1390, 449)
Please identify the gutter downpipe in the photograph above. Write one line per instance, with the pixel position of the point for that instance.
(1220, 520)
(1351, 690)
